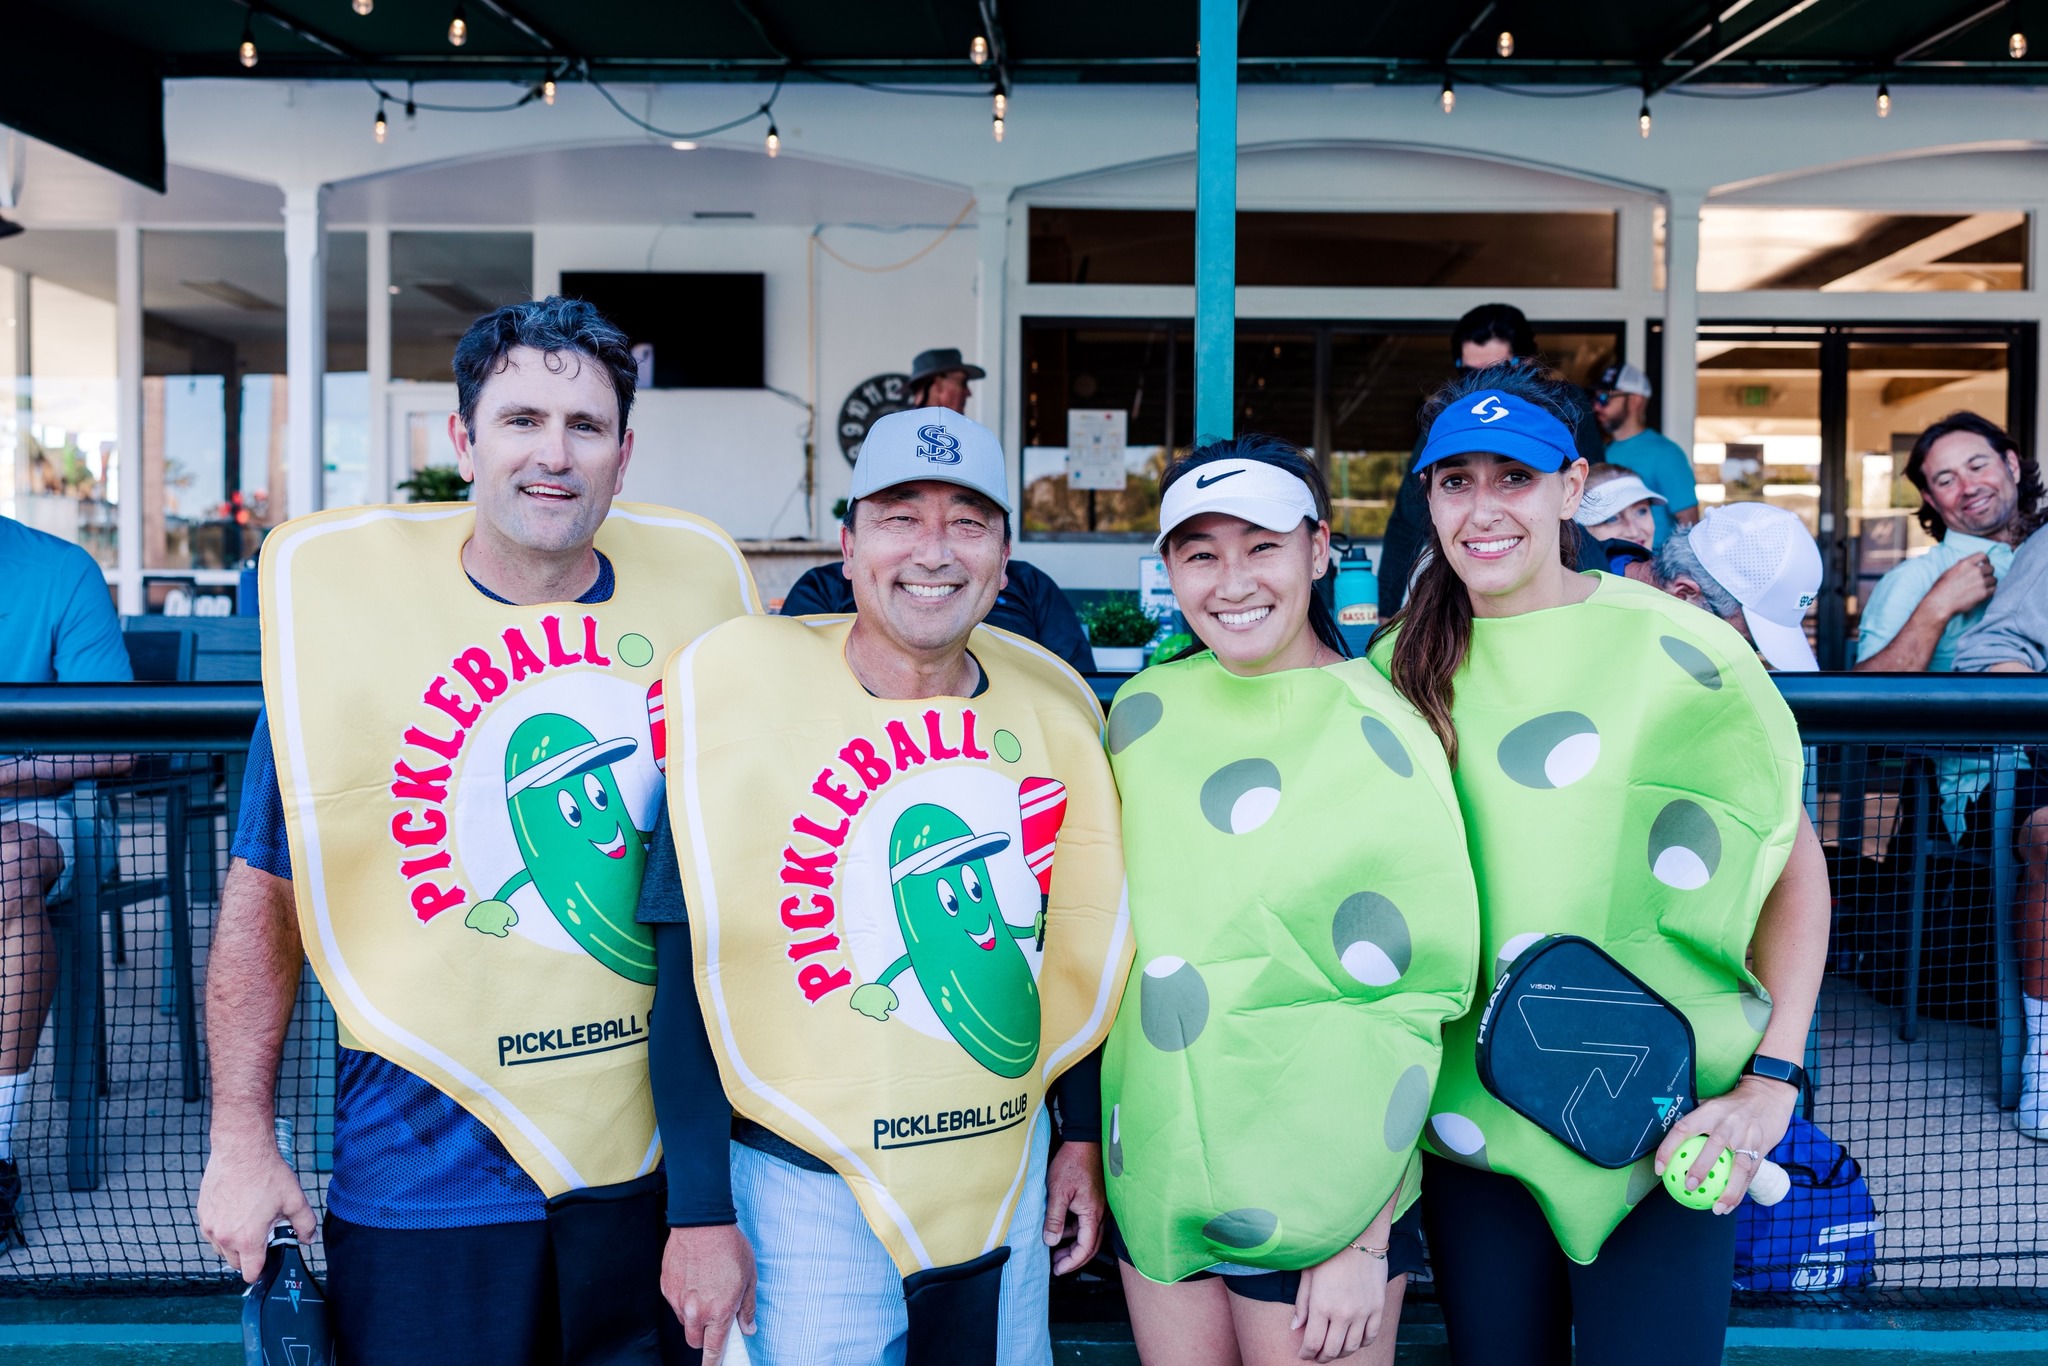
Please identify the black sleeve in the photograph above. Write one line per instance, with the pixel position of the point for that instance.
(1587, 437)
(689, 1100)
(1077, 1100)
(661, 885)
(1405, 537)
(820, 590)
(1057, 625)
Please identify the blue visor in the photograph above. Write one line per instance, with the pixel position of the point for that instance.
(1493, 423)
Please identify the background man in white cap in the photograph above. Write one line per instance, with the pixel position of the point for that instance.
(1619, 399)
(1752, 565)
(1618, 506)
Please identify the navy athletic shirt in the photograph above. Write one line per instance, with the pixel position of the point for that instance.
(405, 1155)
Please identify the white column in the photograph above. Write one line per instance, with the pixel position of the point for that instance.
(305, 344)
(1681, 318)
(380, 477)
(992, 273)
(128, 413)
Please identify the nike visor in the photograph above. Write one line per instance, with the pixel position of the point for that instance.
(1494, 423)
(1262, 494)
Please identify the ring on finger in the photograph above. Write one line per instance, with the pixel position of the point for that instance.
(1750, 1153)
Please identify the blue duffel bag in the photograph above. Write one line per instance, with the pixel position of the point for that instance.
(1821, 1236)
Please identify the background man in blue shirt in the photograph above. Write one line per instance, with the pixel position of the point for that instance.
(1619, 400)
(57, 625)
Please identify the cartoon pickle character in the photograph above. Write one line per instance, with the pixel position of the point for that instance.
(583, 855)
(955, 940)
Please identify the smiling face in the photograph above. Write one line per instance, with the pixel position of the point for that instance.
(1498, 522)
(1632, 523)
(1245, 590)
(926, 560)
(548, 454)
(1974, 487)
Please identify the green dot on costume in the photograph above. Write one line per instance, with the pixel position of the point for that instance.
(1457, 1138)
(1008, 749)
(1551, 751)
(1371, 938)
(1693, 660)
(1387, 745)
(1408, 1110)
(1239, 798)
(1134, 714)
(1512, 950)
(1173, 1003)
(1113, 1158)
(1711, 1185)
(1756, 1006)
(1685, 846)
(635, 651)
(1243, 1230)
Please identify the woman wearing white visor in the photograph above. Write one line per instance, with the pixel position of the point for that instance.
(1305, 922)
(1616, 506)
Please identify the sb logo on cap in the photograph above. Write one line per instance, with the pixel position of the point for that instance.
(936, 444)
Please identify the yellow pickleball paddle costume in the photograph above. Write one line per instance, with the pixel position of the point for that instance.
(869, 885)
(468, 786)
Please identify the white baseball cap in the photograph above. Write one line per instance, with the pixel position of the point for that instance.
(1262, 494)
(1766, 559)
(1608, 501)
(931, 443)
(1624, 379)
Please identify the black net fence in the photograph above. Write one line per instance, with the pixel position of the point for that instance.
(1914, 1178)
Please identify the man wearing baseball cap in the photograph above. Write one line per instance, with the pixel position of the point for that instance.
(1752, 565)
(874, 1021)
(1619, 398)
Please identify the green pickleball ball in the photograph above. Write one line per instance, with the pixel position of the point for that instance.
(1710, 1188)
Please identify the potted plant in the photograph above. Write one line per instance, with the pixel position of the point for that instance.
(1119, 631)
(435, 484)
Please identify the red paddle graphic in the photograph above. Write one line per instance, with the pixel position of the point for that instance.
(1043, 804)
(657, 725)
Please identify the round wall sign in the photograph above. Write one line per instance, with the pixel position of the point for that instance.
(870, 399)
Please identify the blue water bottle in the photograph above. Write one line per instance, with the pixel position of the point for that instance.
(1356, 598)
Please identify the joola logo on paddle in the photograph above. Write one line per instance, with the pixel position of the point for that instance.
(936, 444)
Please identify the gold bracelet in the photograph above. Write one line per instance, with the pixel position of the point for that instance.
(1377, 1253)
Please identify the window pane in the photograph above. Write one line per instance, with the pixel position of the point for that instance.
(1331, 250)
(1139, 369)
(345, 389)
(1848, 251)
(440, 283)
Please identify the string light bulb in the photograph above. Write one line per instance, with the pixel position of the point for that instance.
(2017, 45)
(997, 128)
(362, 6)
(1505, 44)
(1884, 101)
(978, 51)
(1449, 98)
(774, 139)
(1643, 117)
(381, 126)
(1002, 105)
(247, 52)
(458, 27)
(547, 91)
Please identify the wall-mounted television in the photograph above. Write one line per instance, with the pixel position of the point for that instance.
(689, 330)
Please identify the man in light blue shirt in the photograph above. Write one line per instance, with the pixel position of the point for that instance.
(57, 624)
(1619, 399)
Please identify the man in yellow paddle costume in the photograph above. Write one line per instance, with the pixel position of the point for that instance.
(888, 923)
(449, 825)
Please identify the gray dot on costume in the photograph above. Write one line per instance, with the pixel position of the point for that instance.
(1756, 1006)
(1458, 1139)
(1555, 750)
(1239, 797)
(1642, 1179)
(1693, 660)
(1133, 715)
(1371, 938)
(1512, 950)
(1408, 1110)
(1242, 1228)
(1685, 847)
(1387, 745)
(1173, 1004)
(1114, 1159)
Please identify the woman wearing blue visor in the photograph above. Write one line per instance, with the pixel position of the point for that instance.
(1629, 775)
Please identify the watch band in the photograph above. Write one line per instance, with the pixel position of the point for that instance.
(1777, 1069)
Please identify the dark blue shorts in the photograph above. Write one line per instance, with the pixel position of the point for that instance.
(1404, 1258)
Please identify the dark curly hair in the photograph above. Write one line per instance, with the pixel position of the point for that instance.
(554, 326)
(2029, 515)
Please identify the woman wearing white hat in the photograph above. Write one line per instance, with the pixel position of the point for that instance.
(1616, 506)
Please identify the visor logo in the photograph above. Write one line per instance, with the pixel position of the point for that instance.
(936, 444)
(1489, 409)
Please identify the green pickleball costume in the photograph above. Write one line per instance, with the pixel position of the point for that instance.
(1305, 922)
(1629, 773)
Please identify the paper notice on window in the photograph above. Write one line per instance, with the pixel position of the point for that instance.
(1095, 448)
